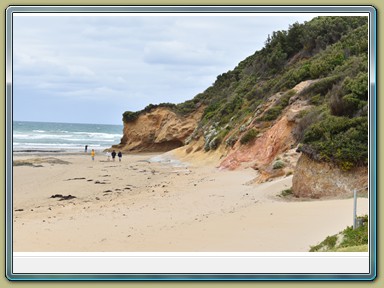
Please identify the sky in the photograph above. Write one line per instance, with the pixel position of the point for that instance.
(90, 69)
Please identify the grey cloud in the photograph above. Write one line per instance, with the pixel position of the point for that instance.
(130, 60)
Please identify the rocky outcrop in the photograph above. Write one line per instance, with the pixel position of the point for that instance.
(159, 130)
(313, 179)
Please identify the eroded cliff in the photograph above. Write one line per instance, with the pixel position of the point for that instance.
(158, 130)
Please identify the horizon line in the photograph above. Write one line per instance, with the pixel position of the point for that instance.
(58, 122)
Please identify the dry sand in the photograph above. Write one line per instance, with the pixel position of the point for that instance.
(136, 205)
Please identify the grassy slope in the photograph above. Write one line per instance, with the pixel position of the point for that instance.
(349, 240)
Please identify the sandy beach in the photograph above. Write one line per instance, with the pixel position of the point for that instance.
(147, 202)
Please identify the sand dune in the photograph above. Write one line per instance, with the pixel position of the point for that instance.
(150, 203)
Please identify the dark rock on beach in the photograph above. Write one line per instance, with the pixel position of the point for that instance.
(62, 197)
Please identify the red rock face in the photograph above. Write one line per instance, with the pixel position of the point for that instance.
(274, 141)
(264, 149)
(318, 180)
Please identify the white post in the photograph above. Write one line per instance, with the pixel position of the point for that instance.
(354, 208)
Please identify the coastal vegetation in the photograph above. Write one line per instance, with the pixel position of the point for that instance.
(285, 193)
(248, 136)
(332, 52)
(349, 240)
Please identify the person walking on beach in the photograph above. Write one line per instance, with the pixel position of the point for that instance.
(86, 148)
(93, 154)
(113, 155)
(119, 155)
(108, 155)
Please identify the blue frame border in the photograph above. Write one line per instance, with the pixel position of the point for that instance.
(196, 9)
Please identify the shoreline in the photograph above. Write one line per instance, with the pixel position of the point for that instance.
(59, 153)
(139, 205)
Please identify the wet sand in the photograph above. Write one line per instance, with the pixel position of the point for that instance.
(69, 203)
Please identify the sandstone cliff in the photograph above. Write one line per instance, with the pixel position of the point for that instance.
(159, 130)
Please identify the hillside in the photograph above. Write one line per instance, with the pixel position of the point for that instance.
(305, 94)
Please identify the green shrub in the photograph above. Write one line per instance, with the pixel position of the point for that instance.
(230, 108)
(290, 93)
(255, 94)
(232, 140)
(322, 86)
(340, 140)
(286, 192)
(275, 111)
(302, 114)
(272, 113)
(249, 136)
(187, 107)
(212, 110)
(129, 116)
(321, 67)
(278, 164)
(316, 100)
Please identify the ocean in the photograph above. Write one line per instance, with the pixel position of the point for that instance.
(63, 137)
